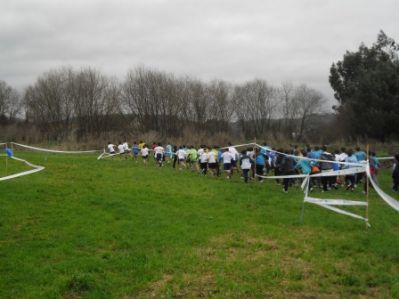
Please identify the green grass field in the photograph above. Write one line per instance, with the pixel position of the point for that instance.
(84, 228)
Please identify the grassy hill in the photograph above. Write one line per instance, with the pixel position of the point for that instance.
(84, 228)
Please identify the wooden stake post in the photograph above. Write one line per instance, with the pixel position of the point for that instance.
(254, 150)
(367, 186)
(6, 162)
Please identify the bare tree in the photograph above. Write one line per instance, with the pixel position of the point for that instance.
(287, 107)
(197, 98)
(307, 102)
(96, 99)
(156, 101)
(10, 103)
(220, 104)
(63, 99)
(255, 105)
(49, 104)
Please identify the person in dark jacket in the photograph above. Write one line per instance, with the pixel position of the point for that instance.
(327, 181)
(287, 167)
(395, 174)
(175, 160)
(277, 162)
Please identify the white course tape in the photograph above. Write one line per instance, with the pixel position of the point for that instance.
(387, 198)
(385, 158)
(36, 169)
(340, 211)
(291, 176)
(100, 156)
(240, 145)
(54, 151)
(331, 203)
(347, 171)
(106, 155)
(335, 202)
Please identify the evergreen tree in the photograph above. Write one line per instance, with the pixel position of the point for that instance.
(366, 85)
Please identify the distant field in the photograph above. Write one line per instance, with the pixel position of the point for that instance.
(84, 228)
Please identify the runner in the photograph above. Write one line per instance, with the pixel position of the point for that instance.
(227, 158)
(144, 153)
(111, 148)
(181, 155)
(159, 152)
(235, 155)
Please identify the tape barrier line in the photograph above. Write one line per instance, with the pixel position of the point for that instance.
(348, 171)
(240, 145)
(54, 151)
(101, 155)
(37, 168)
(340, 211)
(385, 158)
(106, 155)
(336, 202)
(392, 202)
(291, 176)
(26, 162)
(329, 203)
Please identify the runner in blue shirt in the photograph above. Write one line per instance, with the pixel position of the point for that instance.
(135, 150)
(360, 155)
(168, 152)
(350, 179)
(260, 162)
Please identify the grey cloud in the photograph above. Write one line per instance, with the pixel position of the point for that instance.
(293, 40)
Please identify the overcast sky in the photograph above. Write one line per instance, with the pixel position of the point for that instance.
(285, 40)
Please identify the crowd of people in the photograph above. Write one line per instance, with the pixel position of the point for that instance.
(259, 161)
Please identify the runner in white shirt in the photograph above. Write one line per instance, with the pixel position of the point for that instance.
(212, 161)
(203, 159)
(121, 149)
(181, 156)
(111, 148)
(246, 165)
(144, 153)
(235, 155)
(343, 155)
(227, 158)
(200, 151)
(126, 148)
(159, 154)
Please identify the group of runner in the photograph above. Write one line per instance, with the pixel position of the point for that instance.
(260, 161)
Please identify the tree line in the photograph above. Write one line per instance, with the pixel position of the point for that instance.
(85, 104)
